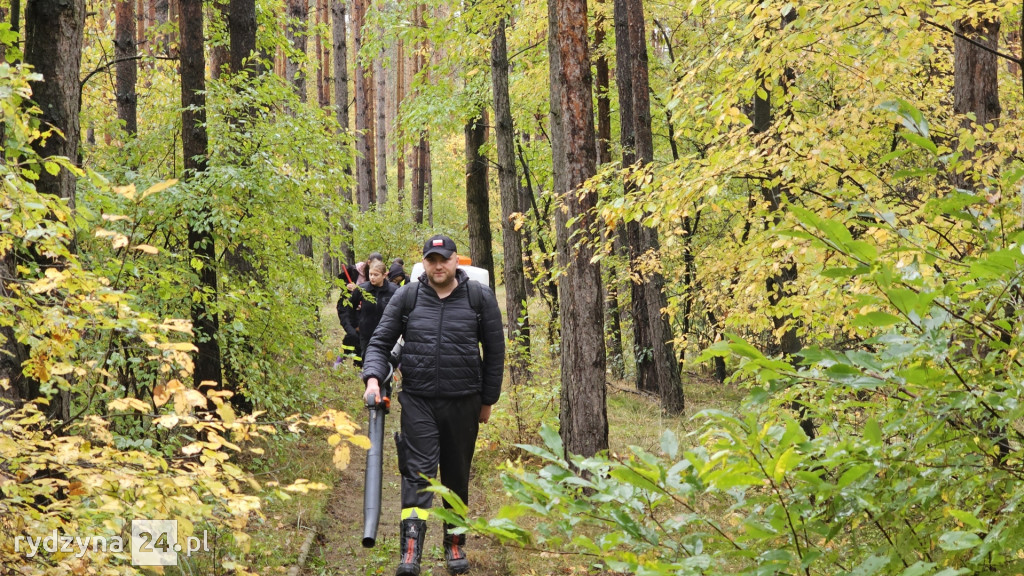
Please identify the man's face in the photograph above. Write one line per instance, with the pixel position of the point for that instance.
(440, 270)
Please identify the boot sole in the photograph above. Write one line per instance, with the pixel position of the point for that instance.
(458, 567)
(407, 570)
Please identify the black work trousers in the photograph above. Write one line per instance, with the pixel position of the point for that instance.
(436, 432)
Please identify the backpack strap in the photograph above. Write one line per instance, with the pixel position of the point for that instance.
(476, 302)
(408, 303)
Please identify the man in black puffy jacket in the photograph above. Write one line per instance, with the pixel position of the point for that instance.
(447, 387)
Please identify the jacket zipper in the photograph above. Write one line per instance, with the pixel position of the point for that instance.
(437, 351)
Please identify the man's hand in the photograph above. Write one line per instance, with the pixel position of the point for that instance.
(485, 414)
(372, 394)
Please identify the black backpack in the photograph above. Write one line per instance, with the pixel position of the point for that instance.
(476, 298)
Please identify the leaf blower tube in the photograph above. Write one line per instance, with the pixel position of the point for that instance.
(375, 456)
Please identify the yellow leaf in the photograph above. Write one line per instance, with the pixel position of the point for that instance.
(160, 395)
(167, 421)
(194, 398)
(226, 413)
(120, 241)
(146, 248)
(128, 403)
(126, 191)
(334, 439)
(193, 448)
(360, 440)
(341, 457)
(159, 187)
(185, 529)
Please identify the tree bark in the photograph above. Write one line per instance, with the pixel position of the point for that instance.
(16, 17)
(478, 210)
(976, 71)
(159, 12)
(364, 174)
(663, 364)
(512, 241)
(220, 52)
(324, 54)
(298, 12)
(630, 235)
(399, 146)
(602, 83)
(779, 285)
(205, 322)
(339, 32)
(127, 71)
(380, 132)
(583, 410)
(53, 47)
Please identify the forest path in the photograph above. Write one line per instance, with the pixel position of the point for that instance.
(338, 548)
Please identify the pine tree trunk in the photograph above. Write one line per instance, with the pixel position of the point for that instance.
(583, 411)
(159, 12)
(53, 47)
(664, 366)
(241, 24)
(143, 17)
(195, 147)
(339, 31)
(380, 131)
(602, 84)
(630, 235)
(298, 12)
(220, 53)
(125, 51)
(512, 241)
(242, 35)
(399, 146)
(976, 71)
(428, 180)
(478, 210)
(364, 176)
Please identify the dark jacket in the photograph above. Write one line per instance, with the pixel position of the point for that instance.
(441, 357)
(364, 314)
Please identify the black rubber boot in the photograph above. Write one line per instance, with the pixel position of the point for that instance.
(411, 547)
(455, 552)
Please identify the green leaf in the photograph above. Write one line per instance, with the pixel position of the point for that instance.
(920, 141)
(918, 568)
(967, 518)
(669, 443)
(873, 432)
(876, 319)
(956, 540)
(844, 272)
(52, 167)
(853, 474)
(552, 439)
(914, 173)
(911, 117)
(871, 566)
(785, 463)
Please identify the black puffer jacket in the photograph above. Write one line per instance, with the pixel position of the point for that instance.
(441, 356)
(363, 313)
